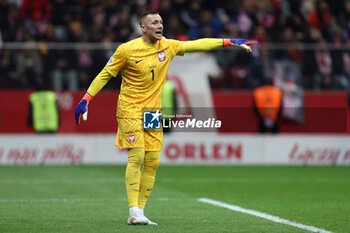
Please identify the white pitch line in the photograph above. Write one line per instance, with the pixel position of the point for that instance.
(263, 215)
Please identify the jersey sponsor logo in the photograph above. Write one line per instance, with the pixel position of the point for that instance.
(161, 56)
(138, 61)
(110, 61)
(151, 120)
(132, 138)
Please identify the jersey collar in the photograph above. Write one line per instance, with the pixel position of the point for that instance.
(149, 45)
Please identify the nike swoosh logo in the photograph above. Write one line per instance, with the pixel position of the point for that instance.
(138, 61)
(133, 184)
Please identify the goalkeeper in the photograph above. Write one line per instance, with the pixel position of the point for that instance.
(144, 64)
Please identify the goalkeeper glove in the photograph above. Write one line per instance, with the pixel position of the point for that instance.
(242, 43)
(82, 108)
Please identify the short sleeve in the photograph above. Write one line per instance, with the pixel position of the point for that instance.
(116, 61)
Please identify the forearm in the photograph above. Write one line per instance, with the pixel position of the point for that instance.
(99, 82)
(208, 44)
(202, 45)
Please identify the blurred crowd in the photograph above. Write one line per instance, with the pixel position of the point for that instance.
(303, 43)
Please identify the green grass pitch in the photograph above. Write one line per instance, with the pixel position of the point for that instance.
(93, 199)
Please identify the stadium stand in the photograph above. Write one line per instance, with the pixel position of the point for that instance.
(309, 38)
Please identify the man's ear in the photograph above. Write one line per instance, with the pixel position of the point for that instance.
(143, 28)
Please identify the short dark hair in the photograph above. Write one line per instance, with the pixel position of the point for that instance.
(144, 14)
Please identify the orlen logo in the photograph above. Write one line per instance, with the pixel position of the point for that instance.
(201, 152)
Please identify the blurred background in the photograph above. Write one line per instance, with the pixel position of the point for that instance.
(60, 45)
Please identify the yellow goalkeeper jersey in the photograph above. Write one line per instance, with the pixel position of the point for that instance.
(144, 69)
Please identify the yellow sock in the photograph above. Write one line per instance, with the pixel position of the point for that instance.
(148, 175)
(132, 175)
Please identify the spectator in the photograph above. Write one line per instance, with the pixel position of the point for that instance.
(246, 17)
(45, 53)
(123, 30)
(265, 16)
(191, 14)
(36, 10)
(7, 69)
(63, 74)
(268, 107)
(37, 14)
(5, 26)
(310, 69)
(168, 103)
(204, 27)
(174, 29)
(346, 58)
(10, 22)
(324, 63)
(165, 10)
(96, 28)
(345, 21)
(260, 68)
(61, 15)
(260, 35)
(85, 65)
(29, 68)
(320, 16)
(80, 63)
(43, 113)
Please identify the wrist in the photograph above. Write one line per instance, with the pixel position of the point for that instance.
(87, 97)
(227, 43)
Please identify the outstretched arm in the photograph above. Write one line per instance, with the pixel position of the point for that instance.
(208, 44)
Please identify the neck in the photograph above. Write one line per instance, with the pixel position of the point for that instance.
(147, 40)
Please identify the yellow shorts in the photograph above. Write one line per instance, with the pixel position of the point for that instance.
(131, 135)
